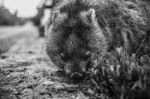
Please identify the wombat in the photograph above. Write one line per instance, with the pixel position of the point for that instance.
(78, 28)
(74, 34)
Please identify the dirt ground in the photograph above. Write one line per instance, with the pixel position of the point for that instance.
(25, 70)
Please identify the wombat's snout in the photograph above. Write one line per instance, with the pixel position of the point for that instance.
(76, 68)
(77, 76)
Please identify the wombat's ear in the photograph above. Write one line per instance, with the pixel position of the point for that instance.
(91, 16)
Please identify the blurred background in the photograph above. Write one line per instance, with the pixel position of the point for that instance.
(22, 18)
(18, 12)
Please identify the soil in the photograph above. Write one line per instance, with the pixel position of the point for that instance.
(25, 70)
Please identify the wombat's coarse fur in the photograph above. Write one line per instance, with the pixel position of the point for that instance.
(81, 27)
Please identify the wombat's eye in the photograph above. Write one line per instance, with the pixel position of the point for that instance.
(63, 57)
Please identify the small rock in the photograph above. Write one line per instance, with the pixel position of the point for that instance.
(48, 83)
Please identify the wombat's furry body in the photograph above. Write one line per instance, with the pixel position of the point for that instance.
(81, 27)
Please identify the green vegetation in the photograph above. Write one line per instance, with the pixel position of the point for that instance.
(123, 76)
(6, 18)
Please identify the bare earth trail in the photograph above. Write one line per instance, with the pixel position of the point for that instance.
(25, 70)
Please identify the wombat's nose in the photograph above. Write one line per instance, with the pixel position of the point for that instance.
(76, 76)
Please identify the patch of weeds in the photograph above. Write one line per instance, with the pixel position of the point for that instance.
(120, 78)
